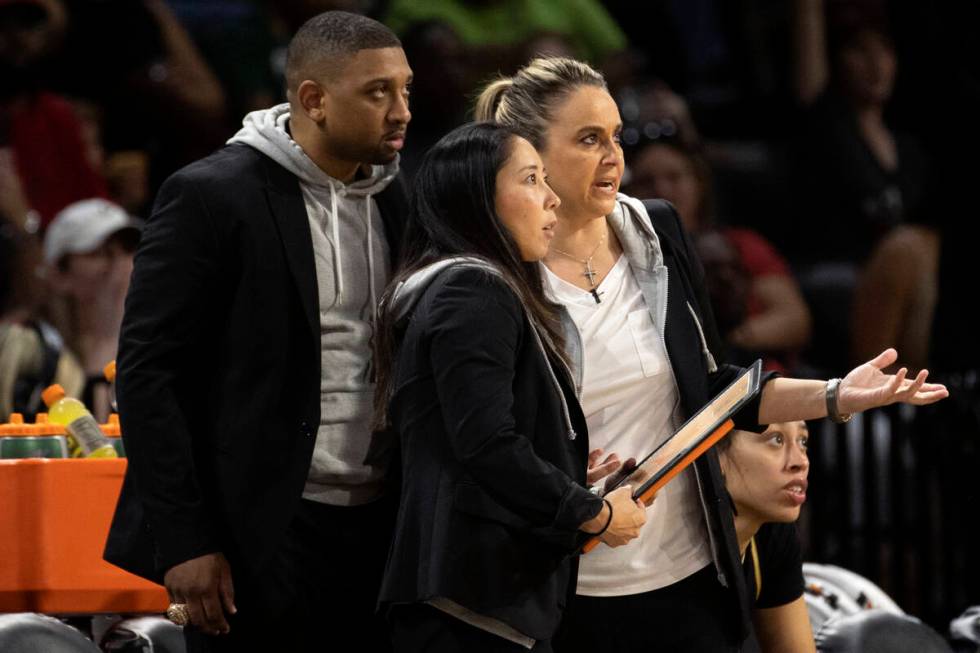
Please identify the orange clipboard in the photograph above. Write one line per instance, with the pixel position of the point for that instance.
(690, 441)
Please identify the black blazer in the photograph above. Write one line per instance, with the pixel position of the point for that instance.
(697, 385)
(493, 484)
(219, 365)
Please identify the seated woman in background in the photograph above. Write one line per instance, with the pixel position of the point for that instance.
(766, 476)
(772, 320)
(472, 377)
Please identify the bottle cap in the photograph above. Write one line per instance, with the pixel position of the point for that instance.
(111, 427)
(46, 427)
(16, 426)
(53, 394)
(110, 371)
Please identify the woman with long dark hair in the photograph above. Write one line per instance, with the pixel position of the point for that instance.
(472, 378)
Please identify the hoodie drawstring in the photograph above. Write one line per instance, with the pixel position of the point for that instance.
(370, 258)
(267, 131)
(338, 265)
(333, 216)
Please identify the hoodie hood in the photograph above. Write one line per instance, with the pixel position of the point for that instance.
(634, 229)
(266, 130)
(407, 293)
(329, 201)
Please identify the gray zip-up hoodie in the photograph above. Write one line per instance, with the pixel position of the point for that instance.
(351, 256)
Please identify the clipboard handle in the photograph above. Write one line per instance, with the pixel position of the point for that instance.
(648, 494)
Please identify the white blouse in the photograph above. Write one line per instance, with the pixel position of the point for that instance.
(631, 404)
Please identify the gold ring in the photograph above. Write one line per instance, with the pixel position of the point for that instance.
(177, 613)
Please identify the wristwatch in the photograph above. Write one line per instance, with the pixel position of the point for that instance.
(833, 411)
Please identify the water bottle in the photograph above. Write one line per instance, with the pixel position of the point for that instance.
(81, 426)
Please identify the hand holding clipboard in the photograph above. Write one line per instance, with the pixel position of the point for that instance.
(690, 441)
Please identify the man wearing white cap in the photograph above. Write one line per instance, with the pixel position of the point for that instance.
(88, 225)
(88, 252)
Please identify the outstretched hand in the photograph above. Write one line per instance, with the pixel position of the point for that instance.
(866, 386)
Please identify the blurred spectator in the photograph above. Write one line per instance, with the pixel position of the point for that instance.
(155, 91)
(40, 136)
(895, 299)
(502, 26)
(19, 227)
(454, 46)
(653, 110)
(861, 177)
(665, 168)
(241, 40)
(915, 292)
(727, 281)
(32, 354)
(758, 304)
(725, 57)
(88, 251)
(32, 357)
(126, 172)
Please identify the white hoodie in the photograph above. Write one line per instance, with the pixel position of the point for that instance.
(351, 256)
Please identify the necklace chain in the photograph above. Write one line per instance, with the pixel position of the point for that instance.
(584, 261)
(590, 272)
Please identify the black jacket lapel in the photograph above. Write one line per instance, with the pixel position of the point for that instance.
(683, 342)
(289, 212)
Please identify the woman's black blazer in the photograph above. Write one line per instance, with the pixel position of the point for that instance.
(493, 481)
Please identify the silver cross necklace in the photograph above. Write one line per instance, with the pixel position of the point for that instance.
(590, 272)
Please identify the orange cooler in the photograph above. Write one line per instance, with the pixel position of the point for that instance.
(54, 517)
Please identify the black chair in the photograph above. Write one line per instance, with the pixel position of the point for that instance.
(877, 631)
(38, 633)
(144, 635)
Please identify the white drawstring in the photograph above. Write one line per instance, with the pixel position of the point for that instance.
(370, 257)
(337, 263)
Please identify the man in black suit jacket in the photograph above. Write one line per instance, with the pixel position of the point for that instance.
(253, 491)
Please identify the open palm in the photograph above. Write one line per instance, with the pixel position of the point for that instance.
(866, 386)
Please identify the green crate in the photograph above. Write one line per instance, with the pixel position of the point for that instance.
(30, 446)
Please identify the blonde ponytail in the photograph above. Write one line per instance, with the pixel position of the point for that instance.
(527, 101)
(490, 99)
